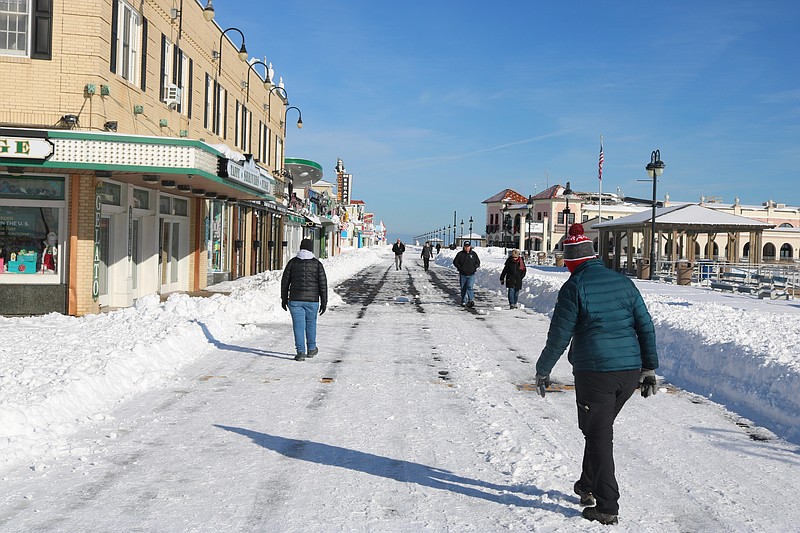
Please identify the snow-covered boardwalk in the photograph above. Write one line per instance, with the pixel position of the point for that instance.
(414, 417)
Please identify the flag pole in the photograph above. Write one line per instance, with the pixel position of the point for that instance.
(600, 180)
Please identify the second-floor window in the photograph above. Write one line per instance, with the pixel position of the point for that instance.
(220, 115)
(128, 29)
(14, 29)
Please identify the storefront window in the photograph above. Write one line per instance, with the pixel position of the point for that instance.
(31, 213)
(165, 205)
(29, 240)
(141, 199)
(181, 207)
(111, 193)
(217, 236)
(31, 188)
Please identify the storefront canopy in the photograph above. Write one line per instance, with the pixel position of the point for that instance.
(304, 172)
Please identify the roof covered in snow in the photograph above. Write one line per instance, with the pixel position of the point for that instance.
(688, 216)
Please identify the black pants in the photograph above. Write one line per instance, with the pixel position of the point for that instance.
(600, 397)
(425, 262)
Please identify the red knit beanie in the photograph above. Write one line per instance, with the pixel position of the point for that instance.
(577, 248)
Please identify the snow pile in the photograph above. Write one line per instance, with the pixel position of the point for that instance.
(735, 349)
(56, 371)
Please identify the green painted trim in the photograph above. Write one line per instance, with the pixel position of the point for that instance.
(307, 162)
(129, 139)
(155, 170)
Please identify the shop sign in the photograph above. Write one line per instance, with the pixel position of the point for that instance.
(25, 148)
(12, 223)
(130, 232)
(98, 206)
(537, 227)
(246, 173)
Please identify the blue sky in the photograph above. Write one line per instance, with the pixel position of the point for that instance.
(435, 106)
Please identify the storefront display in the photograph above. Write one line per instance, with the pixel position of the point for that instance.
(31, 212)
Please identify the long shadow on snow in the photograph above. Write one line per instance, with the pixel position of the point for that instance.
(243, 349)
(403, 471)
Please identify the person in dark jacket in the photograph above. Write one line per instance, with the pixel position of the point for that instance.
(467, 262)
(427, 252)
(398, 248)
(513, 272)
(613, 349)
(304, 293)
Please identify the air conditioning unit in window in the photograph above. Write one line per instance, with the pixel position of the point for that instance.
(172, 95)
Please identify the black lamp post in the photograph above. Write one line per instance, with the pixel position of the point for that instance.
(567, 195)
(462, 231)
(299, 118)
(654, 169)
(267, 76)
(529, 205)
(470, 228)
(448, 232)
(242, 50)
(506, 220)
(285, 98)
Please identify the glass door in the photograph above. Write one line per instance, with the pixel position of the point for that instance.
(169, 255)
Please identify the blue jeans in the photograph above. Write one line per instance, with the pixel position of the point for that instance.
(304, 322)
(466, 283)
(513, 295)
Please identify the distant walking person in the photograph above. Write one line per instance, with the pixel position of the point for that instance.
(513, 272)
(613, 349)
(304, 293)
(438, 247)
(467, 262)
(427, 252)
(398, 248)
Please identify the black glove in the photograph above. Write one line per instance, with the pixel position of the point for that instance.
(647, 382)
(285, 305)
(542, 382)
(322, 308)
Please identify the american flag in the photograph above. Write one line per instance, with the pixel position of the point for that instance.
(600, 163)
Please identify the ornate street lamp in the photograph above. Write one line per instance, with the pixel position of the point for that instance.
(654, 169)
(506, 224)
(267, 76)
(242, 50)
(470, 228)
(567, 194)
(528, 218)
(299, 119)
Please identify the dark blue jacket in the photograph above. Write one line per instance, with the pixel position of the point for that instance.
(603, 313)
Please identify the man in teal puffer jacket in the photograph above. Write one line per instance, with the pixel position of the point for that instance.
(613, 349)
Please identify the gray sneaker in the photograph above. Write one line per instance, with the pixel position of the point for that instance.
(300, 356)
(312, 353)
(587, 498)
